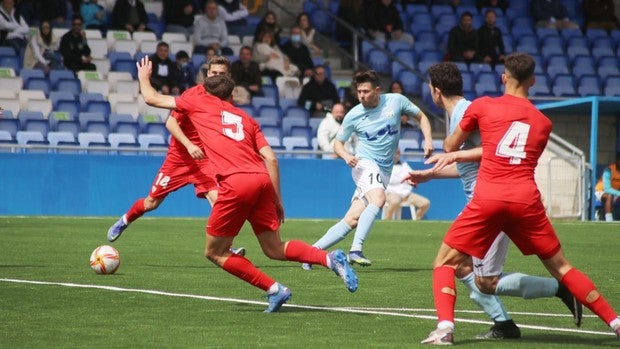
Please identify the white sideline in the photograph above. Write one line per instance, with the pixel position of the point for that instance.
(373, 311)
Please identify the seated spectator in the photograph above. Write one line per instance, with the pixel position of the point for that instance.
(463, 41)
(74, 48)
(551, 14)
(185, 71)
(13, 28)
(234, 13)
(383, 22)
(398, 192)
(210, 30)
(246, 74)
(494, 4)
(94, 15)
(307, 33)
(271, 59)
(298, 53)
(53, 11)
(327, 130)
(202, 71)
(165, 74)
(130, 15)
(600, 14)
(352, 12)
(42, 51)
(179, 16)
(318, 95)
(269, 22)
(490, 41)
(607, 189)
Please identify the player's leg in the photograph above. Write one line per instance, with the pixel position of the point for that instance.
(375, 200)
(392, 206)
(421, 204)
(608, 202)
(139, 208)
(503, 327)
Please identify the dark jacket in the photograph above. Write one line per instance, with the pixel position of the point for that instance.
(173, 13)
(121, 11)
(459, 41)
(490, 42)
(299, 55)
(72, 49)
(312, 92)
(246, 76)
(171, 80)
(383, 18)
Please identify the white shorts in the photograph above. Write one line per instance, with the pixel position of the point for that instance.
(493, 262)
(598, 195)
(367, 176)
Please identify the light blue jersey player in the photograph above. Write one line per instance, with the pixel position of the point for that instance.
(447, 93)
(376, 123)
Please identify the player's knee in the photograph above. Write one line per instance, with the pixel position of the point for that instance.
(151, 203)
(485, 285)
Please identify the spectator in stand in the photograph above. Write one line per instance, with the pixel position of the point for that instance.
(318, 95)
(495, 4)
(185, 71)
(94, 15)
(298, 53)
(165, 74)
(74, 48)
(210, 30)
(490, 41)
(328, 129)
(130, 15)
(53, 11)
(551, 14)
(268, 23)
(235, 14)
(204, 68)
(246, 74)
(352, 12)
(600, 14)
(179, 16)
(383, 22)
(463, 41)
(271, 59)
(13, 27)
(607, 189)
(42, 51)
(307, 33)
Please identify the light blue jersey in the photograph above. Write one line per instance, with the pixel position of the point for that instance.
(378, 128)
(468, 171)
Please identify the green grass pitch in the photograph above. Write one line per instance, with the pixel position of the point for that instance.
(167, 295)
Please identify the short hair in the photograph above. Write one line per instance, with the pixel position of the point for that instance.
(218, 60)
(221, 86)
(77, 16)
(181, 55)
(245, 47)
(163, 43)
(520, 65)
(446, 77)
(370, 76)
(467, 14)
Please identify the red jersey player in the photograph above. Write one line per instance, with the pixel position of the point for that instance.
(514, 134)
(185, 163)
(247, 172)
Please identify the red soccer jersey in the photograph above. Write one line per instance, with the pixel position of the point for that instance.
(176, 148)
(231, 137)
(514, 134)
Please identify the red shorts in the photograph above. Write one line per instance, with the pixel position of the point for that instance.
(527, 225)
(175, 174)
(241, 197)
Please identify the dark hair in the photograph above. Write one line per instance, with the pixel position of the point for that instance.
(396, 82)
(366, 76)
(245, 47)
(77, 16)
(181, 55)
(162, 43)
(219, 60)
(221, 86)
(520, 65)
(447, 78)
(467, 14)
(47, 38)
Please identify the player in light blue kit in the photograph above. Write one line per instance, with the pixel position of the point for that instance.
(376, 122)
(446, 87)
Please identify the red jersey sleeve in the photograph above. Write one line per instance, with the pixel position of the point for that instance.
(469, 122)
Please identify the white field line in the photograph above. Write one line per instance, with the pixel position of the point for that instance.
(372, 311)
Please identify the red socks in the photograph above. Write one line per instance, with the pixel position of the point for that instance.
(443, 279)
(246, 271)
(581, 286)
(136, 211)
(300, 251)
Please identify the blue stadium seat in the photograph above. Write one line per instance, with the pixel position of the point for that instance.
(156, 128)
(10, 125)
(581, 70)
(56, 75)
(572, 52)
(322, 22)
(72, 126)
(407, 56)
(541, 86)
(126, 65)
(71, 107)
(301, 131)
(412, 84)
(85, 117)
(114, 56)
(411, 133)
(379, 61)
(115, 118)
(557, 64)
(73, 86)
(610, 81)
(86, 97)
(42, 126)
(258, 101)
(564, 86)
(129, 127)
(28, 74)
(98, 127)
(394, 46)
(544, 32)
(271, 91)
(23, 137)
(570, 33)
(314, 124)
(147, 140)
(269, 110)
(269, 120)
(56, 96)
(272, 131)
(98, 106)
(25, 115)
(54, 137)
(420, 22)
(437, 10)
(12, 62)
(248, 109)
(410, 9)
(592, 34)
(589, 85)
(289, 122)
(468, 80)
(522, 25)
(41, 84)
(296, 111)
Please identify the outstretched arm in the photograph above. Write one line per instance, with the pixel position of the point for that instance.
(425, 127)
(151, 96)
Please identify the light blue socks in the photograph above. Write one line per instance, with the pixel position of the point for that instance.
(336, 233)
(367, 219)
(526, 286)
(490, 304)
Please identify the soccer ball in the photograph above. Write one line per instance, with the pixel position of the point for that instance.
(105, 260)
